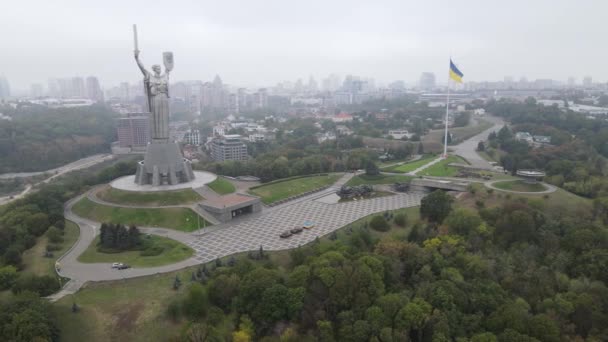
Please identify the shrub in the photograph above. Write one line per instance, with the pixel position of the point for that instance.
(8, 274)
(54, 234)
(379, 223)
(44, 285)
(401, 220)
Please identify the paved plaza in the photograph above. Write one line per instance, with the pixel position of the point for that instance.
(264, 230)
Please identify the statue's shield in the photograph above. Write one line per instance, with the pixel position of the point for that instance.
(168, 60)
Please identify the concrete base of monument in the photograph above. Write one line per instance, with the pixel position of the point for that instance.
(127, 183)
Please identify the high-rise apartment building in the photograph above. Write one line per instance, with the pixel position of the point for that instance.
(5, 88)
(427, 81)
(36, 90)
(93, 89)
(134, 131)
(228, 147)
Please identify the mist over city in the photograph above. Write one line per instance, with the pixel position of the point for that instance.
(283, 171)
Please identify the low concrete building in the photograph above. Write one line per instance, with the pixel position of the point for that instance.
(227, 207)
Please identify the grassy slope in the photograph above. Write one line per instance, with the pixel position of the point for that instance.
(441, 169)
(33, 259)
(518, 185)
(222, 186)
(379, 179)
(411, 166)
(173, 252)
(176, 197)
(182, 219)
(280, 190)
(134, 309)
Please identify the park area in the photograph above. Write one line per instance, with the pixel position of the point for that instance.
(410, 166)
(442, 168)
(154, 251)
(156, 198)
(183, 219)
(36, 262)
(282, 189)
(520, 186)
(221, 186)
(378, 179)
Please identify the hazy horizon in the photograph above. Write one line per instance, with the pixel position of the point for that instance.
(249, 43)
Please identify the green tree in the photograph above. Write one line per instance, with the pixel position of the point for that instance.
(436, 206)
(379, 223)
(462, 221)
(401, 219)
(195, 302)
(8, 275)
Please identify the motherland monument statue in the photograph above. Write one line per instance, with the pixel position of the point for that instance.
(163, 163)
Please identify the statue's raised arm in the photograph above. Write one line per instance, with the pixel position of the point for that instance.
(140, 64)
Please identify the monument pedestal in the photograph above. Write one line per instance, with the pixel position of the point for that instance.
(163, 164)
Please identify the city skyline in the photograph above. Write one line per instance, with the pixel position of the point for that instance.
(388, 42)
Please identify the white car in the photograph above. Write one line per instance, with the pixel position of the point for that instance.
(116, 265)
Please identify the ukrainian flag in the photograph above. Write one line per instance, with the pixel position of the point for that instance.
(455, 74)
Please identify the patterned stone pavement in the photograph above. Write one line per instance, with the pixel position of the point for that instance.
(264, 230)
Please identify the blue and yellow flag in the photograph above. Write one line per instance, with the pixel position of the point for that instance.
(455, 74)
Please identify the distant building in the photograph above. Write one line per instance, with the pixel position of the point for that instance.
(219, 130)
(36, 90)
(524, 136)
(327, 136)
(5, 89)
(479, 111)
(587, 82)
(343, 130)
(94, 92)
(193, 137)
(542, 139)
(228, 147)
(427, 81)
(134, 131)
(400, 134)
(342, 117)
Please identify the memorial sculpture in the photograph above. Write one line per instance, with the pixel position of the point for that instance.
(163, 163)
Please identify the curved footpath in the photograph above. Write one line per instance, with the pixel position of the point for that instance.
(550, 188)
(242, 235)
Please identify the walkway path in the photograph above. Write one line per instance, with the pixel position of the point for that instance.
(549, 188)
(77, 165)
(429, 164)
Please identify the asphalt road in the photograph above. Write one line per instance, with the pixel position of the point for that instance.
(468, 148)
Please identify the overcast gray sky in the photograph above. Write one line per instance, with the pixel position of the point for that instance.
(262, 42)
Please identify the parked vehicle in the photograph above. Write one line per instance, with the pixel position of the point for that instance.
(296, 230)
(123, 266)
(308, 225)
(285, 234)
(116, 265)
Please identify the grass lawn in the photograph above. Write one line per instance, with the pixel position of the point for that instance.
(33, 259)
(441, 169)
(222, 186)
(183, 219)
(154, 198)
(173, 252)
(127, 310)
(558, 202)
(411, 166)
(378, 179)
(519, 185)
(463, 133)
(279, 190)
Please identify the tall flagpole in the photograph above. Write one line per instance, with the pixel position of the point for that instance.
(447, 112)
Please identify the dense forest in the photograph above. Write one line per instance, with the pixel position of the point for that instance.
(39, 138)
(518, 271)
(24, 316)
